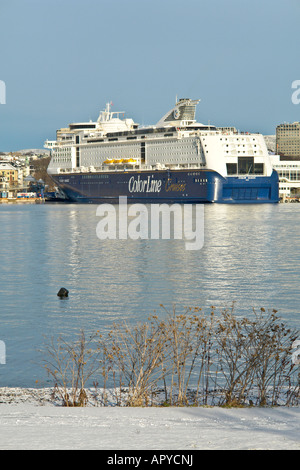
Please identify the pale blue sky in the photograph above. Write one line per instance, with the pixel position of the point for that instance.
(62, 60)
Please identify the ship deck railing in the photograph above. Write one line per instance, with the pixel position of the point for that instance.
(122, 168)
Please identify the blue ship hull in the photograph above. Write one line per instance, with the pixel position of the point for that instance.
(168, 186)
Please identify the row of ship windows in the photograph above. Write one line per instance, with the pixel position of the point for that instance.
(150, 157)
(170, 159)
(292, 175)
(137, 144)
(171, 147)
(237, 138)
(169, 152)
(95, 176)
(109, 153)
(245, 168)
(240, 151)
(137, 149)
(240, 145)
(59, 160)
(286, 166)
(133, 147)
(62, 155)
(96, 182)
(122, 140)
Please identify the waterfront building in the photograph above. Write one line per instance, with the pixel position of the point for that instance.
(288, 140)
(289, 176)
(8, 177)
(287, 159)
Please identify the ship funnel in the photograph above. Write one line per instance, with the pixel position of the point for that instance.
(184, 110)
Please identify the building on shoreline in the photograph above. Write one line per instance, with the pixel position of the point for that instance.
(17, 171)
(286, 160)
(289, 177)
(288, 140)
(9, 179)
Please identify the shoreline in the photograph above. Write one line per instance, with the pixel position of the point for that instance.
(108, 398)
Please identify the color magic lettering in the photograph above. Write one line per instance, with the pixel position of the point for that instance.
(144, 186)
(175, 187)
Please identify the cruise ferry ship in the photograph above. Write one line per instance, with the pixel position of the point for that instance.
(176, 160)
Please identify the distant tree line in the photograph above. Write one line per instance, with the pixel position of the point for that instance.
(40, 166)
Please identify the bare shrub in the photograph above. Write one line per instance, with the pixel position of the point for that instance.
(213, 358)
(254, 356)
(71, 365)
(136, 357)
(274, 370)
(188, 339)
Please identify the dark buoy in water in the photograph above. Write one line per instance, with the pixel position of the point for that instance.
(63, 292)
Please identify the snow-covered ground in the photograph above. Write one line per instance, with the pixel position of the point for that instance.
(29, 422)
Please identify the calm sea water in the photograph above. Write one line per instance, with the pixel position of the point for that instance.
(251, 256)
